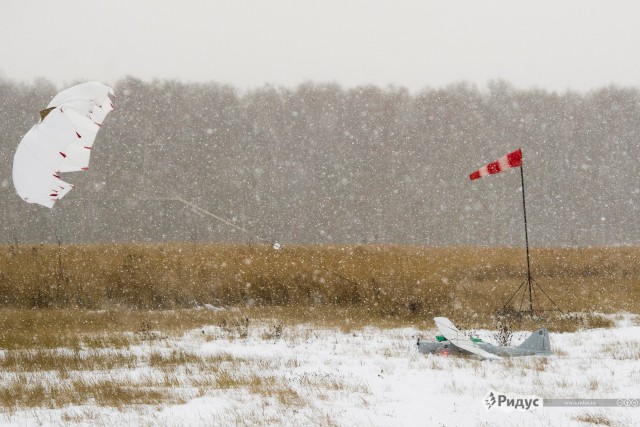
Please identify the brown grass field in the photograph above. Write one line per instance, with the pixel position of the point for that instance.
(68, 311)
(358, 284)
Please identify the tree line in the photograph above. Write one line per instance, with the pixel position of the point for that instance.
(320, 163)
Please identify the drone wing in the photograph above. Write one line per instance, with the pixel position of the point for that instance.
(457, 338)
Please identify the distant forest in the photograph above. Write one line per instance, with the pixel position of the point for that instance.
(321, 163)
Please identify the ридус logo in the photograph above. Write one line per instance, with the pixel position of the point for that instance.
(511, 402)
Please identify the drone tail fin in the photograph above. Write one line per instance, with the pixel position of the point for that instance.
(538, 341)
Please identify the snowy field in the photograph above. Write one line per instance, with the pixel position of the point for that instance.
(300, 375)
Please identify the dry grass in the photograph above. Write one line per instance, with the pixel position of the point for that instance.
(78, 328)
(64, 378)
(76, 320)
(46, 373)
(68, 310)
(40, 391)
(594, 418)
(623, 350)
(67, 357)
(62, 361)
(389, 280)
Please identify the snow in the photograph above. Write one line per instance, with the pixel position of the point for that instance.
(373, 377)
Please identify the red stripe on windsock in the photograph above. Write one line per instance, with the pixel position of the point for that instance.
(515, 158)
(511, 160)
(493, 168)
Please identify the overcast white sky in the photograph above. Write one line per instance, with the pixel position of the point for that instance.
(555, 44)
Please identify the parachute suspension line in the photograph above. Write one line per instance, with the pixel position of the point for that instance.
(199, 209)
(276, 245)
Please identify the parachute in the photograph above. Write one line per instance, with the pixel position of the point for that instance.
(60, 142)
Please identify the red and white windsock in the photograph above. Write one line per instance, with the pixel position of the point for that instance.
(511, 160)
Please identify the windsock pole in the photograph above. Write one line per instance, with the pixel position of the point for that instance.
(526, 239)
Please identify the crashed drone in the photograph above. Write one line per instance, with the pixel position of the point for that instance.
(452, 341)
(60, 142)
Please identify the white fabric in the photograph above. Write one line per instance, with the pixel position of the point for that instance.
(60, 143)
(457, 338)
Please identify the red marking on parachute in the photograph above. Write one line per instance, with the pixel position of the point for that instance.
(62, 154)
(56, 176)
(53, 195)
(88, 148)
(445, 353)
(61, 187)
(78, 135)
(85, 168)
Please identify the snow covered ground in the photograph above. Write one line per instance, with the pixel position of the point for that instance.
(304, 376)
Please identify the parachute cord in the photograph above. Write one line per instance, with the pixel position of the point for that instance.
(205, 212)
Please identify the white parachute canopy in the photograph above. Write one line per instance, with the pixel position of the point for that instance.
(61, 142)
